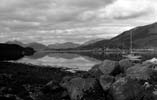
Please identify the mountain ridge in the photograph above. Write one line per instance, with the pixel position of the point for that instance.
(66, 45)
(143, 37)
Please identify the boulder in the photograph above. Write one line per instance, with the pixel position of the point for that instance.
(106, 82)
(155, 94)
(107, 67)
(95, 71)
(142, 72)
(152, 61)
(128, 89)
(125, 64)
(83, 88)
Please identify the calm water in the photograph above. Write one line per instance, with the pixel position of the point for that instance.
(72, 61)
(83, 61)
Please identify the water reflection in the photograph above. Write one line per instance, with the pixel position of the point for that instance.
(76, 61)
(68, 60)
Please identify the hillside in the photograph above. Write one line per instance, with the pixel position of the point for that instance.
(16, 42)
(66, 45)
(36, 46)
(143, 37)
(92, 41)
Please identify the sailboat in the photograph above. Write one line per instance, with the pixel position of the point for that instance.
(131, 55)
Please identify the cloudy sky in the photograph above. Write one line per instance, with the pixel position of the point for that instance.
(51, 21)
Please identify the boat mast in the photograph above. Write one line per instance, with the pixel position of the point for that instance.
(131, 42)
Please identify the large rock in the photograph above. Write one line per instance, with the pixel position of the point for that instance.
(95, 71)
(83, 88)
(107, 67)
(142, 72)
(106, 82)
(127, 89)
(125, 64)
(152, 61)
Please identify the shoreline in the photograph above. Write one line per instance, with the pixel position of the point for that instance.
(34, 72)
(109, 80)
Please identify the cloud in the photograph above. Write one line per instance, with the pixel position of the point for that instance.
(74, 20)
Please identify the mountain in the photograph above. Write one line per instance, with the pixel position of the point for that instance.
(36, 46)
(143, 37)
(66, 45)
(98, 44)
(92, 41)
(16, 42)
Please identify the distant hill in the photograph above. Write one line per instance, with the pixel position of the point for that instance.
(92, 41)
(66, 45)
(98, 44)
(13, 52)
(36, 46)
(143, 37)
(16, 42)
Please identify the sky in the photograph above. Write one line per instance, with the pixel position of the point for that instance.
(58, 21)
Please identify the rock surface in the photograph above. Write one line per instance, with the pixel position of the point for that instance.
(142, 72)
(106, 82)
(127, 89)
(110, 80)
(107, 67)
(125, 64)
(83, 89)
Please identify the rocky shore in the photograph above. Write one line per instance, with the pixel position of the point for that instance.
(110, 80)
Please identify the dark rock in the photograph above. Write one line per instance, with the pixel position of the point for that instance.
(106, 82)
(107, 67)
(125, 64)
(155, 94)
(83, 88)
(127, 89)
(142, 72)
(95, 71)
(151, 61)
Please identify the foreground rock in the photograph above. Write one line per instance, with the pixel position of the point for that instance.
(110, 80)
(125, 64)
(106, 82)
(83, 88)
(127, 89)
(152, 61)
(142, 72)
(107, 67)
